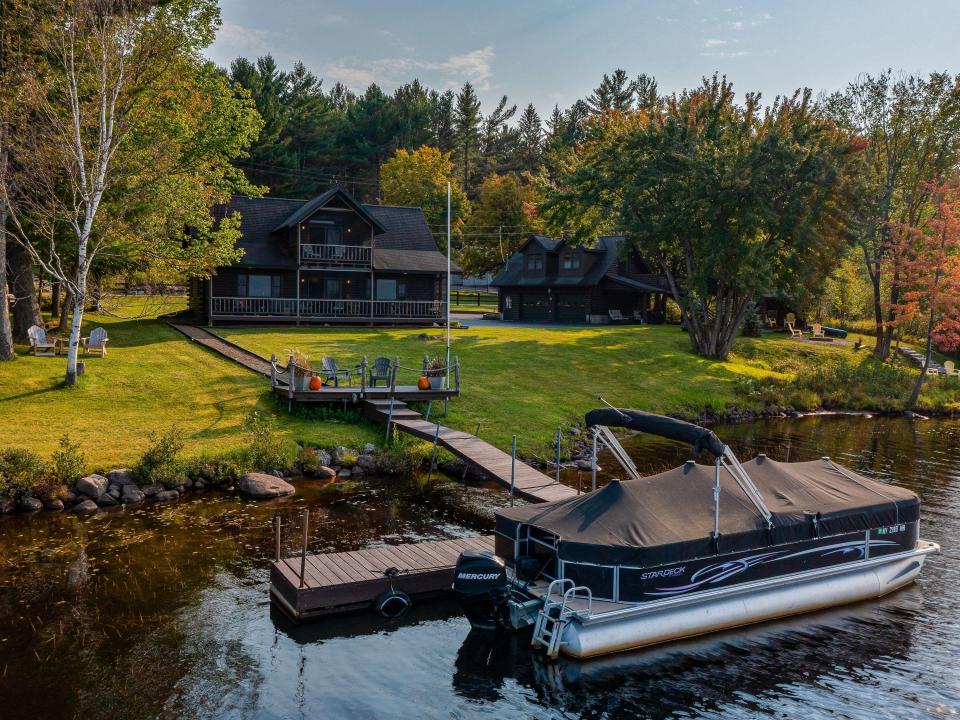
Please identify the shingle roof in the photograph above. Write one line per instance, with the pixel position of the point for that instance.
(404, 241)
(311, 206)
(512, 272)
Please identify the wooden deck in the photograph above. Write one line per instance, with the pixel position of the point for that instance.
(355, 393)
(529, 484)
(346, 581)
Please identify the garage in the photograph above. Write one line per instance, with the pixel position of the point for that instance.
(571, 306)
(536, 305)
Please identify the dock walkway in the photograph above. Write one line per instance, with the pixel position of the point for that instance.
(340, 582)
(229, 350)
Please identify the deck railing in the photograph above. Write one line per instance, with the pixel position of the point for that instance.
(344, 256)
(328, 309)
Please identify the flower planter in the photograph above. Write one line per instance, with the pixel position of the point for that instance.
(302, 382)
(436, 383)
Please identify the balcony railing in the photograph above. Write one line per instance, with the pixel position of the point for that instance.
(335, 256)
(310, 309)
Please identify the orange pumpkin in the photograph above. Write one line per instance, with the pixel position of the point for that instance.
(315, 383)
(423, 383)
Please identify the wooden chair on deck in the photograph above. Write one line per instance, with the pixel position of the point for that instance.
(96, 342)
(39, 345)
(330, 372)
(951, 369)
(793, 332)
(379, 370)
(817, 331)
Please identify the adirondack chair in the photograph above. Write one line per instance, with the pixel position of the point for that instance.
(771, 321)
(638, 316)
(791, 318)
(793, 332)
(96, 343)
(39, 345)
(817, 331)
(331, 372)
(379, 370)
(951, 369)
(616, 316)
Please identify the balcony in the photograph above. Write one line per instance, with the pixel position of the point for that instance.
(247, 308)
(340, 257)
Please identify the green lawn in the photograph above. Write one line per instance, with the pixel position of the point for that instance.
(152, 378)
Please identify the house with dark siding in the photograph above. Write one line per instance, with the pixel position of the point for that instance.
(549, 280)
(329, 259)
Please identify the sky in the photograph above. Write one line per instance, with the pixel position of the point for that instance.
(553, 52)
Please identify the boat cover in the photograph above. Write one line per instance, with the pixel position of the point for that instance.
(668, 518)
(699, 437)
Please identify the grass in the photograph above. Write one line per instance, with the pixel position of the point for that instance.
(530, 380)
(152, 379)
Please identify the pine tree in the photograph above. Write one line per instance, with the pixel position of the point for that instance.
(530, 148)
(645, 88)
(441, 120)
(466, 122)
(615, 92)
(414, 117)
(499, 141)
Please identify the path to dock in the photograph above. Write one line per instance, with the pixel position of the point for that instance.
(529, 484)
(229, 350)
(340, 582)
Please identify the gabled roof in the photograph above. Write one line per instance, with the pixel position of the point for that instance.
(320, 201)
(607, 246)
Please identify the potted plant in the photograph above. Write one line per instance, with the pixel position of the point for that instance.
(302, 369)
(435, 372)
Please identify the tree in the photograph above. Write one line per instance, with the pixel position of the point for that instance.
(504, 214)
(419, 179)
(648, 96)
(530, 145)
(131, 140)
(442, 121)
(909, 129)
(615, 92)
(928, 273)
(726, 200)
(498, 140)
(466, 124)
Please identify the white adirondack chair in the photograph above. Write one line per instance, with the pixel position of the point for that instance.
(817, 331)
(793, 332)
(951, 369)
(39, 345)
(96, 343)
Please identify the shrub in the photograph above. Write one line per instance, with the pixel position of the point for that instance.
(66, 464)
(20, 471)
(266, 451)
(309, 460)
(224, 470)
(161, 463)
(404, 458)
(752, 323)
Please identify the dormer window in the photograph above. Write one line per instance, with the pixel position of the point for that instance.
(534, 262)
(571, 262)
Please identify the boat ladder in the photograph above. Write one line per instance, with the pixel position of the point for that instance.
(556, 613)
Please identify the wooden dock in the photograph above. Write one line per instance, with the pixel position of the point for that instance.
(346, 581)
(529, 484)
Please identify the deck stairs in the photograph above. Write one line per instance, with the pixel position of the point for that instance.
(556, 613)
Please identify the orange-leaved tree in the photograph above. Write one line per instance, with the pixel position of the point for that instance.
(927, 256)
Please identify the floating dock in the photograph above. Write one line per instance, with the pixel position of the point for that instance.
(342, 582)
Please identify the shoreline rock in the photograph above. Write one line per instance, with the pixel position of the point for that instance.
(261, 486)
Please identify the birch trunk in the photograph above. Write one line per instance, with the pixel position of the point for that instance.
(6, 334)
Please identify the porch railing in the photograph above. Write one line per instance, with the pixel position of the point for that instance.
(347, 256)
(332, 309)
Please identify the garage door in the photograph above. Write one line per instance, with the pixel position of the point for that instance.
(536, 306)
(572, 307)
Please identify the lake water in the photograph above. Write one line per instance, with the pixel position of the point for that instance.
(163, 612)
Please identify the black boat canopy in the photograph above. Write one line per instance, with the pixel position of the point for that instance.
(668, 518)
(700, 438)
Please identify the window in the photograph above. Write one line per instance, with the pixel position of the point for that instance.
(534, 262)
(332, 288)
(571, 262)
(386, 289)
(258, 285)
(333, 236)
(401, 290)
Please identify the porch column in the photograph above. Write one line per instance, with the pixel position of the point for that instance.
(299, 225)
(644, 303)
(371, 293)
(210, 301)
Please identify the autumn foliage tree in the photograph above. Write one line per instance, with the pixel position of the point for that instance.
(927, 257)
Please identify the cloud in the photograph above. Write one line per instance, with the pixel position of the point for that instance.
(234, 40)
(714, 43)
(737, 24)
(727, 54)
(475, 67)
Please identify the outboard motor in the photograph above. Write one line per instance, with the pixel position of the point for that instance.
(480, 583)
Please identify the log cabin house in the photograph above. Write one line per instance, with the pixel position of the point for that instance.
(549, 280)
(329, 259)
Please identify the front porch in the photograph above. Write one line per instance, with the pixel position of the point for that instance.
(306, 310)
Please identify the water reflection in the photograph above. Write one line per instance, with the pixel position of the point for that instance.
(163, 612)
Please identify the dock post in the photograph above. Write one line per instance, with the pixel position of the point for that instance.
(463, 478)
(426, 415)
(363, 377)
(393, 389)
(593, 462)
(273, 371)
(276, 524)
(306, 538)
(513, 468)
(291, 380)
(558, 454)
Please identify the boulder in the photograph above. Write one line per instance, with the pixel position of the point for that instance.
(30, 504)
(345, 473)
(324, 457)
(131, 495)
(93, 486)
(113, 491)
(121, 477)
(358, 472)
(54, 505)
(369, 449)
(71, 495)
(166, 496)
(7, 504)
(261, 486)
(367, 462)
(107, 500)
(199, 485)
(324, 473)
(151, 490)
(85, 506)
